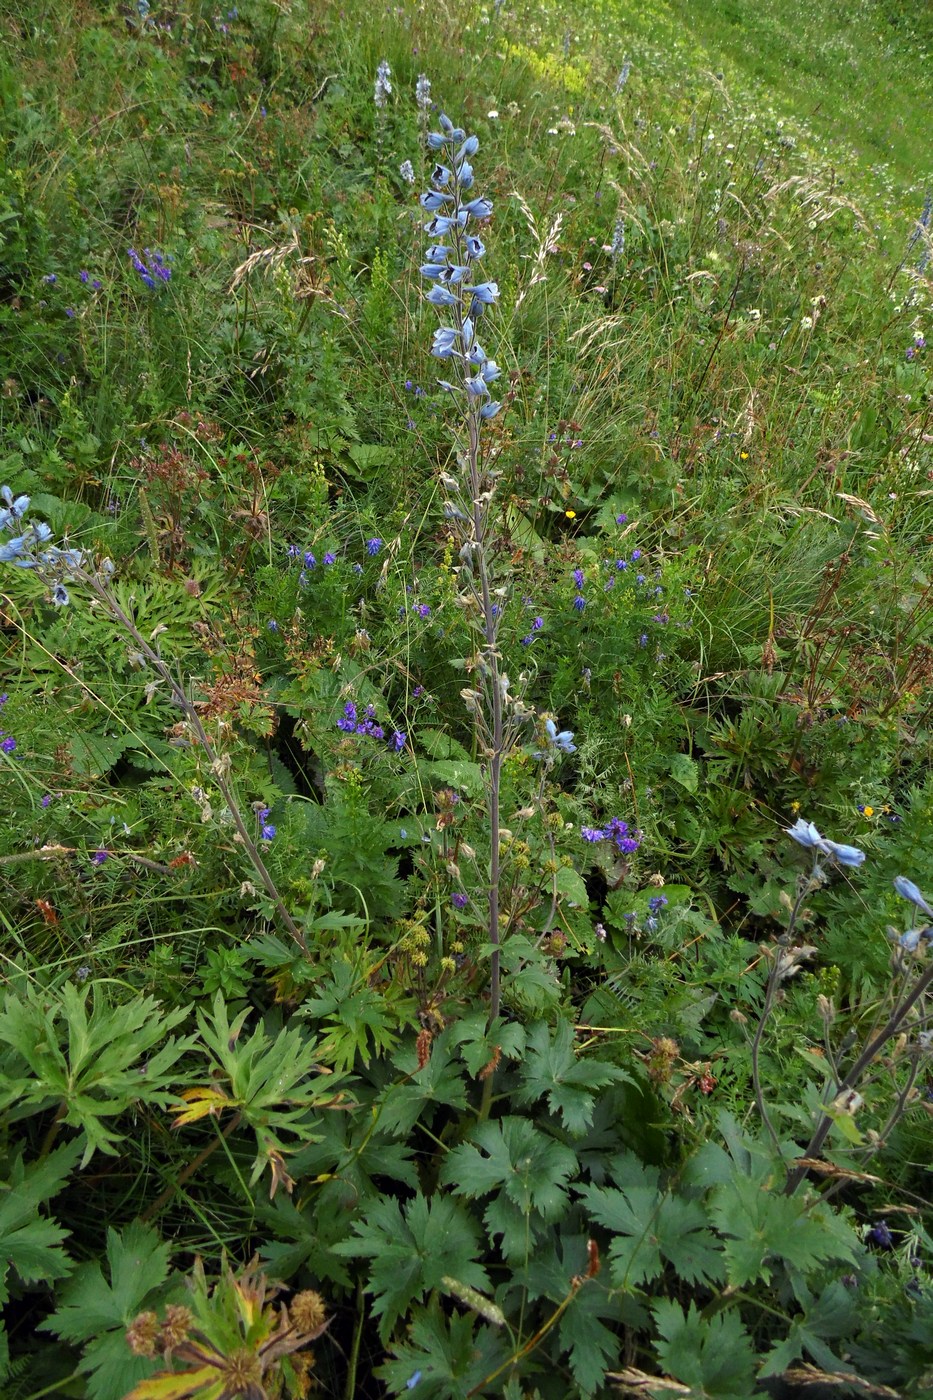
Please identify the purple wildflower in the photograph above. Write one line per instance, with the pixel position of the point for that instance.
(99, 857)
(579, 603)
(268, 831)
(373, 546)
(578, 577)
(8, 745)
(330, 558)
(397, 741)
(459, 901)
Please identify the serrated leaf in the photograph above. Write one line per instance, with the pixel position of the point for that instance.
(442, 1358)
(439, 1082)
(714, 1356)
(761, 1226)
(411, 1250)
(572, 886)
(95, 1310)
(552, 1070)
(30, 1244)
(515, 1157)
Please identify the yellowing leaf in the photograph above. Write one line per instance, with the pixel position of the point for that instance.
(202, 1384)
(201, 1103)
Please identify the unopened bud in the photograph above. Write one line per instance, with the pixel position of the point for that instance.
(827, 1009)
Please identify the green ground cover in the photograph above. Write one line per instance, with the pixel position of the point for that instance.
(409, 984)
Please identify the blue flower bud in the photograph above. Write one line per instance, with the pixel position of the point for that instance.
(465, 175)
(438, 253)
(845, 855)
(469, 147)
(445, 338)
(431, 269)
(446, 124)
(431, 200)
(480, 208)
(436, 141)
(491, 371)
(476, 386)
(908, 890)
(489, 410)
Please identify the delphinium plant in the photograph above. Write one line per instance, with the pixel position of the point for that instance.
(463, 296)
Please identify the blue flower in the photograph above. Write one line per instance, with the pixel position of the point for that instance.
(562, 740)
(17, 506)
(845, 855)
(592, 833)
(438, 253)
(373, 546)
(440, 175)
(475, 248)
(445, 341)
(330, 558)
(432, 200)
(459, 901)
(480, 208)
(8, 745)
(485, 292)
(908, 890)
(439, 296)
(489, 410)
(60, 596)
(268, 831)
(805, 833)
(579, 603)
(397, 741)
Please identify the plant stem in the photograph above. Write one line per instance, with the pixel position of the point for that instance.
(217, 764)
(890, 1029)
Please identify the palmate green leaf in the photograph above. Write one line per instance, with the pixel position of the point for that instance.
(449, 1357)
(440, 1081)
(552, 1070)
(515, 1157)
(760, 1225)
(94, 1310)
(30, 1245)
(479, 1042)
(412, 1250)
(713, 1356)
(95, 1064)
(358, 1014)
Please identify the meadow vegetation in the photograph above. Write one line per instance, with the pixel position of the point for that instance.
(468, 858)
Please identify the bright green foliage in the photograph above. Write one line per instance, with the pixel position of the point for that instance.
(98, 1304)
(273, 1084)
(652, 1227)
(451, 1357)
(357, 1015)
(90, 1066)
(528, 1171)
(713, 1356)
(552, 1070)
(31, 1243)
(412, 1249)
